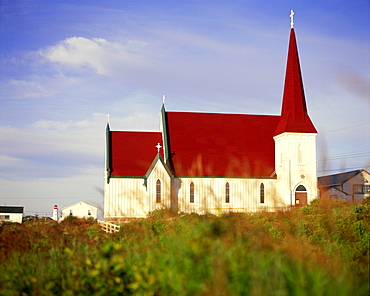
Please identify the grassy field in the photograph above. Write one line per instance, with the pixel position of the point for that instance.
(320, 249)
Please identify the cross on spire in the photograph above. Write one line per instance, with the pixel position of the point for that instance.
(291, 19)
(158, 147)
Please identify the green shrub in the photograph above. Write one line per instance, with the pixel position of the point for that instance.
(320, 249)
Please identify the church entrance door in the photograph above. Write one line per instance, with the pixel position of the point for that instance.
(300, 196)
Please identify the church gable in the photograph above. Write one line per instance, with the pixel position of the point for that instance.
(158, 183)
(158, 164)
(221, 145)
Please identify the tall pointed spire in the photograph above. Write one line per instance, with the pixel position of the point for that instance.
(294, 116)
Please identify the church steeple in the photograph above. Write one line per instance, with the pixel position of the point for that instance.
(294, 116)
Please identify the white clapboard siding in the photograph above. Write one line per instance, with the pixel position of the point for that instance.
(136, 197)
(125, 197)
(210, 194)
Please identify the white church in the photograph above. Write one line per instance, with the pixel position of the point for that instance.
(215, 162)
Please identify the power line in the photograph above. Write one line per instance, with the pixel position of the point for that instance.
(344, 128)
(344, 155)
(342, 170)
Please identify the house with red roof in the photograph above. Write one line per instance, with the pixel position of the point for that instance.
(216, 162)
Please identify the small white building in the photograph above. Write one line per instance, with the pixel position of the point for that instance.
(351, 186)
(80, 210)
(11, 213)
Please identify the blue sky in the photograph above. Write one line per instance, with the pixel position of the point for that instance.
(65, 65)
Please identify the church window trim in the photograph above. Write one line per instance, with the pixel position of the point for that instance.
(262, 193)
(158, 191)
(191, 193)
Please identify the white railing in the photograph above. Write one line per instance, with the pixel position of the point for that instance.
(109, 227)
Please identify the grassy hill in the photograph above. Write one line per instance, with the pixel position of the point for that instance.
(319, 249)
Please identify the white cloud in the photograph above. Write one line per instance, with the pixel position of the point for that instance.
(8, 161)
(60, 148)
(53, 148)
(97, 53)
(22, 89)
(41, 86)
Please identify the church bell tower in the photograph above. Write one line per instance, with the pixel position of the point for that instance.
(295, 137)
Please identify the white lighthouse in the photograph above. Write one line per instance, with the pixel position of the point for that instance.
(55, 213)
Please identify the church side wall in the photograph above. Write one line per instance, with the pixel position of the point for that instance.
(125, 197)
(210, 195)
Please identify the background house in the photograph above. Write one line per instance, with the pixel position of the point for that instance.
(351, 186)
(80, 210)
(11, 213)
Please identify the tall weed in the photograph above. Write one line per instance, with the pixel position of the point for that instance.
(320, 249)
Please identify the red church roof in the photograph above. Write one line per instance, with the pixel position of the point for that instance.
(133, 152)
(294, 116)
(213, 144)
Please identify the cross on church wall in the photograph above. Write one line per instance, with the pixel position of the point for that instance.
(158, 147)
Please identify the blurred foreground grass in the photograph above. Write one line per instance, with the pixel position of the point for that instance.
(320, 249)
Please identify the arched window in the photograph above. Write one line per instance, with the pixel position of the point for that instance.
(227, 192)
(158, 192)
(262, 193)
(301, 188)
(192, 192)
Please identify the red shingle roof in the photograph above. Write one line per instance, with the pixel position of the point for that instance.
(133, 152)
(294, 116)
(213, 144)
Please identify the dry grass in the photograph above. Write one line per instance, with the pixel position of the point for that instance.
(320, 249)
